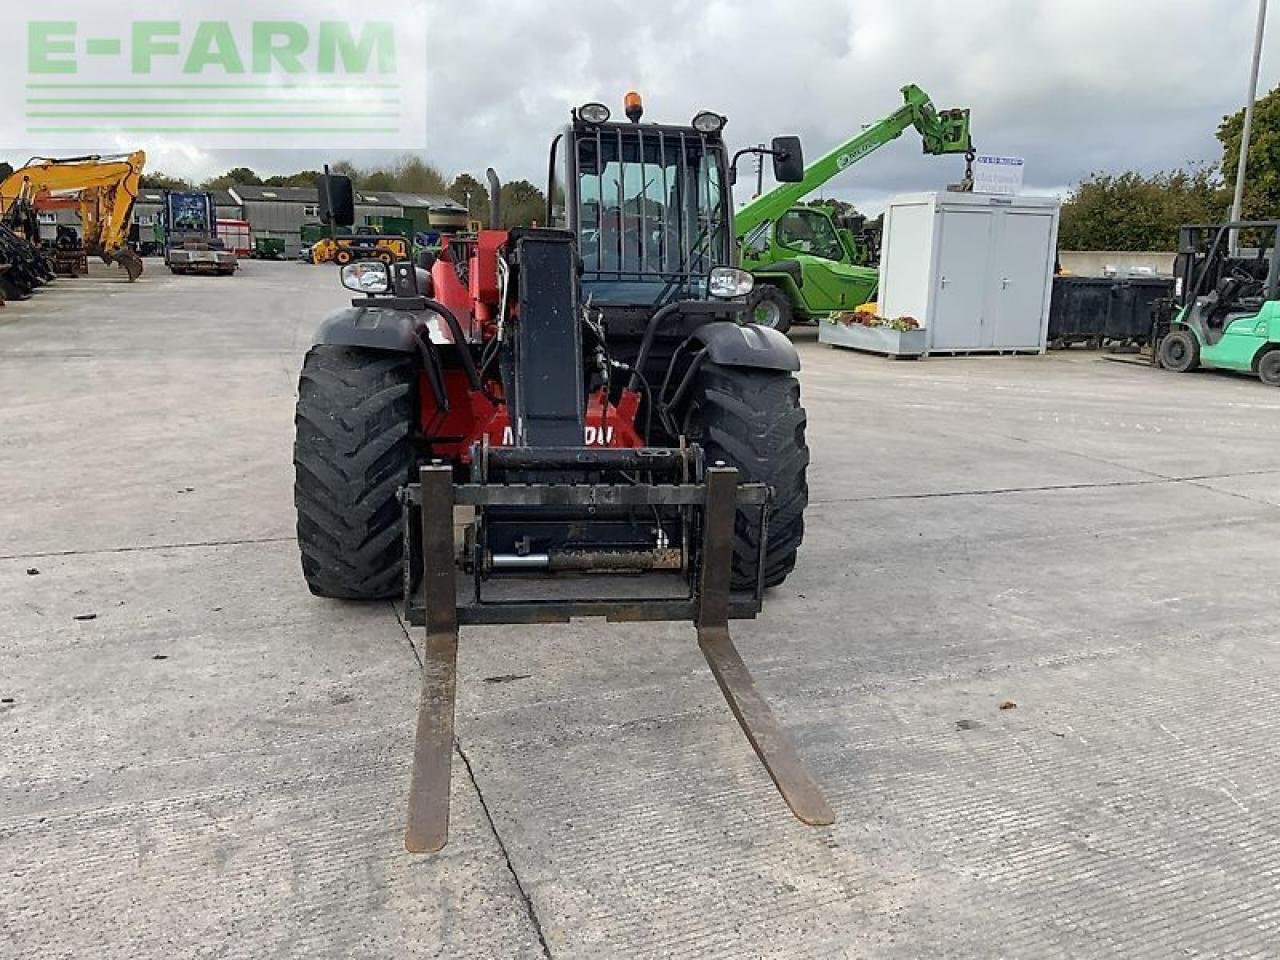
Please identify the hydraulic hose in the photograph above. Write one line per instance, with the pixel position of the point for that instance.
(651, 331)
(460, 338)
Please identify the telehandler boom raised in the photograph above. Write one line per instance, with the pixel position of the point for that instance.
(803, 268)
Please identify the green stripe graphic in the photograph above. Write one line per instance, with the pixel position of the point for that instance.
(241, 115)
(287, 131)
(316, 85)
(181, 101)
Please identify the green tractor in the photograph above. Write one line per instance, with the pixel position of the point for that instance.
(1225, 314)
(808, 262)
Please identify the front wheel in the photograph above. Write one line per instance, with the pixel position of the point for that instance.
(752, 420)
(1180, 351)
(352, 453)
(771, 307)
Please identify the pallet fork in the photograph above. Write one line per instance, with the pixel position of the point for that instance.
(432, 600)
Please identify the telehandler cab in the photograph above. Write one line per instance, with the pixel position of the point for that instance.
(594, 395)
(1225, 314)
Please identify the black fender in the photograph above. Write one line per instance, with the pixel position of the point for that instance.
(399, 331)
(732, 344)
(403, 325)
(374, 328)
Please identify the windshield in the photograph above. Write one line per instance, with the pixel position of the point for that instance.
(808, 231)
(650, 214)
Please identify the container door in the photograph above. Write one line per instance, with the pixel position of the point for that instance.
(1023, 265)
(961, 287)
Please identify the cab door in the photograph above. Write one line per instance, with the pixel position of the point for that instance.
(810, 238)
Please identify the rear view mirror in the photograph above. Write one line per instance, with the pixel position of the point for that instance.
(788, 160)
(337, 200)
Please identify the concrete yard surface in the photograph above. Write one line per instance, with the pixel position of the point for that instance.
(1030, 651)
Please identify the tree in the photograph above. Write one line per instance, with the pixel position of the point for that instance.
(5, 170)
(471, 193)
(1133, 211)
(415, 175)
(837, 208)
(409, 174)
(376, 180)
(523, 204)
(162, 181)
(235, 177)
(304, 178)
(345, 168)
(1262, 175)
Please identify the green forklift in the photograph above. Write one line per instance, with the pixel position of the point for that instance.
(1225, 313)
(809, 263)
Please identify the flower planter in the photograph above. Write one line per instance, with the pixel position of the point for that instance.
(882, 340)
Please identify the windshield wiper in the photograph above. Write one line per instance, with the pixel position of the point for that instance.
(669, 290)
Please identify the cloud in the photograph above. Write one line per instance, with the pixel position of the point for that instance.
(1073, 87)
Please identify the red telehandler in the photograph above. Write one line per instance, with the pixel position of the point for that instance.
(594, 396)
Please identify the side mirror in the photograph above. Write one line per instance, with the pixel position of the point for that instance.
(788, 160)
(337, 200)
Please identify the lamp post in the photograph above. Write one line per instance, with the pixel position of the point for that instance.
(1237, 204)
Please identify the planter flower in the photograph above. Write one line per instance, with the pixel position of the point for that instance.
(864, 330)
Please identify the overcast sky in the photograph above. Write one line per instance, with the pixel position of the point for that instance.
(1073, 86)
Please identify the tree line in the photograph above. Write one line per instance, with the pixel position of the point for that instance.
(1105, 211)
(1135, 211)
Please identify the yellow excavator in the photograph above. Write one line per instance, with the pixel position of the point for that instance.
(103, 188)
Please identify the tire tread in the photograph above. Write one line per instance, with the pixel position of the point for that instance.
(352, 454)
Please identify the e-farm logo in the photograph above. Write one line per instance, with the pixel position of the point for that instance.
(237, 74)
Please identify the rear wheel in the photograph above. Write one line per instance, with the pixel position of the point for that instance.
(343, 257)
(771, 307)
(753, 420)
(1180, 351)
(1269, 367)
(352, 453)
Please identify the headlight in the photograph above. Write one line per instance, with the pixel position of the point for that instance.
(367, 276)
(594, 113)
(708, 122)
(726, 283)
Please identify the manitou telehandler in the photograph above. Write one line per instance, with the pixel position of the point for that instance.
(1225, 313)
(630, 447)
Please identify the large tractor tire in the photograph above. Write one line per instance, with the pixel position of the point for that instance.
(771, 307)
(753, 420)
(352, 453)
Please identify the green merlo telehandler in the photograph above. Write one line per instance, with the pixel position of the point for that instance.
(808, 262)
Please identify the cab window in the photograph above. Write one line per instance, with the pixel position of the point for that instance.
(807, 231)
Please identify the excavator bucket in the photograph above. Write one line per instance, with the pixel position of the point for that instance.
(127, 260)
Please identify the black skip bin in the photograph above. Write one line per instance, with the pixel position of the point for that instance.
(1102, 310)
